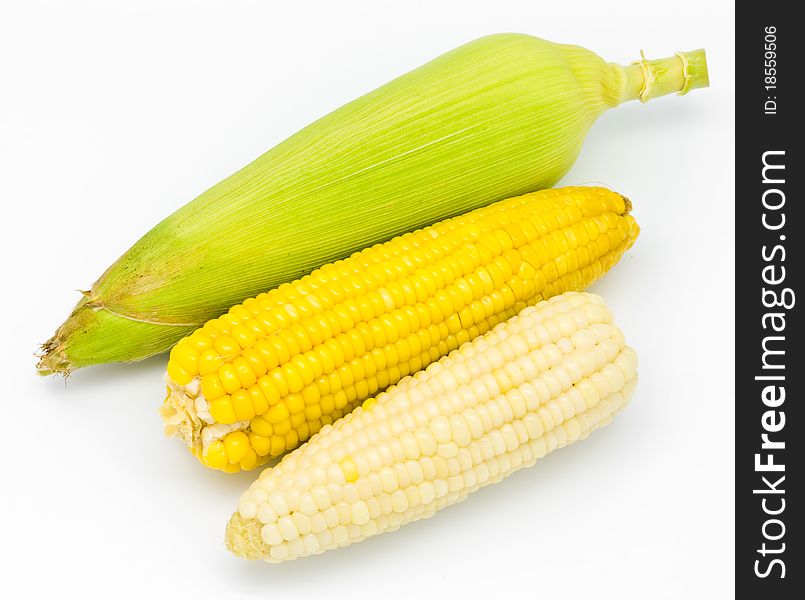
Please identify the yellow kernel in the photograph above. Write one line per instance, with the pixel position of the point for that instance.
(296, 419)
(261, 427)
(222, 410)
(291, 439)
(293, 378)
(260, 444)
(310, 394)
(243, 336)
(304, 367)
(295, 403)
(267, 353)
(242, 405)
(231, 468)
(277, 414)
(325, 358)
(209, 362)
(270, 392)
(229, 378)
(312, 412)
(237, 445)
(211, 386)
(199, 341)
(349, 469)
(186, 356)
(255, 361)
(369, 403)
(249, 461)
(215, 455)
(227, 347)
(244, 372)
(327, 404)
(257, 399)
(278, 379)
(277, 445)
(179, 375)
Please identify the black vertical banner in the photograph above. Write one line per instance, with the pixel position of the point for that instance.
(770, 226)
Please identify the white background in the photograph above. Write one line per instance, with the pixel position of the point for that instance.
(113, 114)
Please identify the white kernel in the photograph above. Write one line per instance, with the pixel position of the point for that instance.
(460, 429)
(364, 489)
(440, 427)
(428, 468)
(464, 458)
(455, 483)
(448, 450)
(278, 503)
(331, 516)
(441, 467)
(399, 501)
(311, 543)
(481, 474)
(498, 443)
(296, 547)
(360, 513)
(287, 528)
(412, 493)
(384, 502)
(439, 488)
(351, 494)
(335, 474)
(517, 403)
(318, 523)
(326, 539)
(302, 523)
(265, 514)
(426, 442)
(415, 474)
(271, 535)
(279, 552)
(388, 479)
(410, 445)
(426, 492)
(307, 505)
(403, 478)
(374, 508)
(369, 528)
(573, 428)
(355, 532)
(247, 510)
(340, 535)
(344, 513)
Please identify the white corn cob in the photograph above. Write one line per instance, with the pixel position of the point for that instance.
(543, 379)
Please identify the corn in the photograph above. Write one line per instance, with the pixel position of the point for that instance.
(542, 380)
(255, 382)
(498, 117)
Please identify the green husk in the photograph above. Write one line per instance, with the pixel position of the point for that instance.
(500, 116)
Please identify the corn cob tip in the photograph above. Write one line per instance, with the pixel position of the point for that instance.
(126, 337)
(180, 418)
(244, 538)
(53, 355)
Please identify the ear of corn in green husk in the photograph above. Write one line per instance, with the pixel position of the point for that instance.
(495, 118)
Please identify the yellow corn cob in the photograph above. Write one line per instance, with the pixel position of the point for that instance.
(543, 379)
(267, 375)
